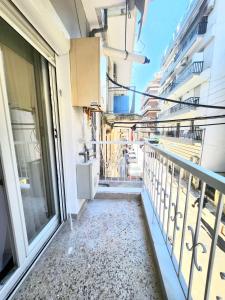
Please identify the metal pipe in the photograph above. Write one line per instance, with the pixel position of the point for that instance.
(125, 55)
(101, 29)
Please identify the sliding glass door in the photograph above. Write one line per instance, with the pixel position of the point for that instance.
(31, 138)
(31, 154)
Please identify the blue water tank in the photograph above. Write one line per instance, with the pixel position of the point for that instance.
(121, 104)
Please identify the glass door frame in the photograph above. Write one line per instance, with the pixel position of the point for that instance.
(25, 254)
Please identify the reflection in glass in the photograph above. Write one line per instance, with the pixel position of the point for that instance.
(30, 133)
(6, 254)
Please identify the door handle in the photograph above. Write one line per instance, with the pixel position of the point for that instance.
(55, 132)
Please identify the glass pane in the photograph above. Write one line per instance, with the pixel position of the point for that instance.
(7, 262)
(30, 134)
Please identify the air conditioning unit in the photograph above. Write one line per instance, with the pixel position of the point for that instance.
(197, 57)
(210, 6)
(87, 179)
(184, 61)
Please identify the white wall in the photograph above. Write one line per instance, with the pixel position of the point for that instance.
(81, 131)
(213, 156)
(67, 126)
(217, 80)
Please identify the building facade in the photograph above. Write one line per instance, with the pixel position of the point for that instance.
(150, 106)
(192, 72)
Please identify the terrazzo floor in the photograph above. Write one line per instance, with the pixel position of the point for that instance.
(106, 256)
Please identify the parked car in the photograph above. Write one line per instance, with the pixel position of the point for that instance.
(154, 140)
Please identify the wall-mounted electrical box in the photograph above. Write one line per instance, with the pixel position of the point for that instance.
(85, 67)
(87, 179)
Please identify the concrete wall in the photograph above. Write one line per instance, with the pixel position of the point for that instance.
(67, 123)
(213, 156)
(46, 20)
(75, 122)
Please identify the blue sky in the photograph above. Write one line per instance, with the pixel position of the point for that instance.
(157, 32)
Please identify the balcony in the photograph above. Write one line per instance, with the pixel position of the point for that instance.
(195, 135)
(195, 68)
(185, 47)
(150, 109)
(181, 106)
(107, 255)
(199, 30)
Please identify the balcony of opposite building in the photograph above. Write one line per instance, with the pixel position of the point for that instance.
(180, 108)
(193, 74)
(190, 43)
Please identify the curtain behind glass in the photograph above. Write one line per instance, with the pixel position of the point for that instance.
(21, 78)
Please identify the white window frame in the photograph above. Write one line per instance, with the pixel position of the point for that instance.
(25, 253)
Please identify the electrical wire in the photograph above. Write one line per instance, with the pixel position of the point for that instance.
(169, 121)
(163, 98)
(170, 127)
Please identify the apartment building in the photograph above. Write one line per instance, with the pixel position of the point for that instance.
(150, 106)
(193, 72)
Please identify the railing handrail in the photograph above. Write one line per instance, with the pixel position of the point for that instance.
(195, 67)
(211, 178)
(179, 106)
(117, 142)
(191, 134)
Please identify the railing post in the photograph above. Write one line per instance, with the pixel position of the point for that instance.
(154, 186)
(175, 228)
(165, 193)
(144, 159)
(213, 246)
(195, 241)
(153, 159)
(184, 223)
(157, 186)
(170, 200)
(161, 190)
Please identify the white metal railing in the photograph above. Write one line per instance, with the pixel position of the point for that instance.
(194, 68)
(120, 161)
(26, 152)
(184, 46)
(191, 220)
(179, 107)
(188, 204)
